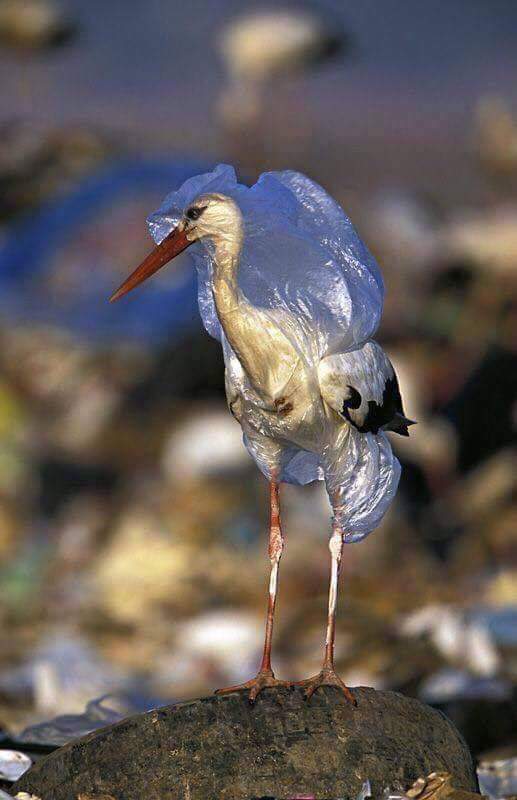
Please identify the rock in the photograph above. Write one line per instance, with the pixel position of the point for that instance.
(221, 748)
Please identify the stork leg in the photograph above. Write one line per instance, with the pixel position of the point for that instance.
(266, 677)
(328, 675)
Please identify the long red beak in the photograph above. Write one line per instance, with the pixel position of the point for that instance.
(172, 245)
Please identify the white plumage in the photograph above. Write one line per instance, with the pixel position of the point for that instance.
(294, 296)
(361, 386)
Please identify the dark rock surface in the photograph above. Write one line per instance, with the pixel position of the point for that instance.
(221, 748)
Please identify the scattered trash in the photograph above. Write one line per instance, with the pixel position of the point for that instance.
(437, 786)
(62, 674)
(33, 24)
(366, 791)
(498, 779)
(130, 526)
(460, 639)
(98, 713)
(222, 645)
(208, 443)
(13, 764)
(263, 45)
(496, 136)
(20, 796)
(488, 239)
(452, 684)
(26, 796)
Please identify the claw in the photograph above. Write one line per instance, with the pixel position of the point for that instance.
(327, 677)
(264, 680)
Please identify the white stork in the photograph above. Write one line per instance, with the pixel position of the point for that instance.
(294, 296)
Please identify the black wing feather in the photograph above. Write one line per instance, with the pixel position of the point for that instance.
(389, 415)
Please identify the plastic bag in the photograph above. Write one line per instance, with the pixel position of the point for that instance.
(294, 285)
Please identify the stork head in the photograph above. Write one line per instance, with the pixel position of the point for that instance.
(213, 216)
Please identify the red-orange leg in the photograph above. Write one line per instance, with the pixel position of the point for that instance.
(328, 675)
(276, 546)
(266, 676)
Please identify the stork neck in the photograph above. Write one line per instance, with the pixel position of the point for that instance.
(227, 295)
(265, 354)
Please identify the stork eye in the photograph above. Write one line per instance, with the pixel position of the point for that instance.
(194, 213)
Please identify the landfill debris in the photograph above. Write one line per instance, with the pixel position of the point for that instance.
(488, 239)
(13, 764)
(437, 786)
(495, 138)
(208, 442)
(216, 644)
(498, 779)
(26, 796)
(129, 521)
(33, 24)
(265, 44)
(98, 713)
(38, 165)
(460, 639)
(451, 684)
(62, 674)
(366, 791)
(19, 796)
(404, 229)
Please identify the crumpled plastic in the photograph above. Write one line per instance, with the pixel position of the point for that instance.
(304, 266)
(13, 764)
(498, 779)
(61, 674)
(105, 710)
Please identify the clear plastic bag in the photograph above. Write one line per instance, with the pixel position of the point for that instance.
(307, 289)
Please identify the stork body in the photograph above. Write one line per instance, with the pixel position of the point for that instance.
(276, 394)
(313, 397)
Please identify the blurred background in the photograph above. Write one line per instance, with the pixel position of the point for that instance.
(133, 554)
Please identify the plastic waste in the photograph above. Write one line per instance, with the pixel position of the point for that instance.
(98, 713)
(462, 637)
(13, 764)
(454, 684)
(309, 291)
(498, 779)
(61, 674)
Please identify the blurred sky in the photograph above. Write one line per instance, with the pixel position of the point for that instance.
(150, 68)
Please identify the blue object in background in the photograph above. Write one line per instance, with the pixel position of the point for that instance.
(33, 291)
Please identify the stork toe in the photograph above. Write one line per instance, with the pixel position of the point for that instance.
(264, 680)
(327, 677)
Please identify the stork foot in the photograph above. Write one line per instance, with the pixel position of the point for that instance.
(327, 677)
(264, 680)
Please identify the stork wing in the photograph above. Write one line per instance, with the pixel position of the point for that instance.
(362, 387)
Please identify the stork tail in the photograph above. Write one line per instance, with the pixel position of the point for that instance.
(400, 424)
